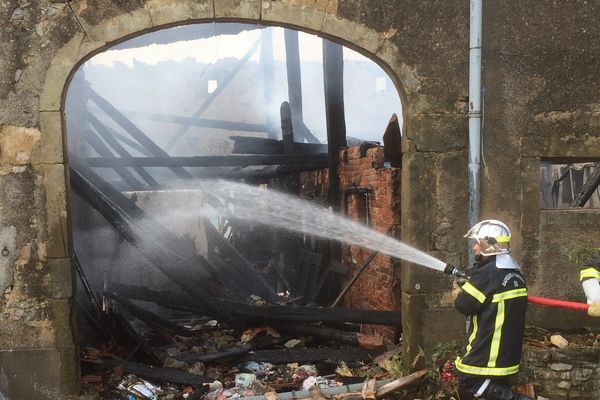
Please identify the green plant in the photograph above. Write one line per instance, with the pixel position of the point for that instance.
(578, 254)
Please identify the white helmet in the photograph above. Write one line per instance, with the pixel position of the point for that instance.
(492, 235)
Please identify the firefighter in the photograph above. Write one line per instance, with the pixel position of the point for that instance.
(589, 276)
(495, 299)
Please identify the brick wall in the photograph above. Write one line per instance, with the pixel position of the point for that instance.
(376, 286)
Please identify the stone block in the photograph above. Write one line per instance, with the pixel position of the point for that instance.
(17, 144)
(62, 277)
(58, 73)
(58, 239)
(247, 9)
(423, 327)
(561, 367)
(171, 11)
(51, 144)
(287, 13)
(36, 373)
(359, 35)
(405, 77)
(121, 26)
(61, 312)
(437, 132)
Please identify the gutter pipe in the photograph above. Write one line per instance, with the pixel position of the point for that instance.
(475, 29)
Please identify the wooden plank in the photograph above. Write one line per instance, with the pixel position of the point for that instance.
(401, 382)
(206, 161)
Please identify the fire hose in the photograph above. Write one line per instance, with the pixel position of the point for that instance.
(544, 301)
(569, 305)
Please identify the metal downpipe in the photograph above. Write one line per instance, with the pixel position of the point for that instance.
(475, 29)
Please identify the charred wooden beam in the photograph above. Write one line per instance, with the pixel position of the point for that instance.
(392, 143)
(158, 375)
(287, 131)
(588, 188)
(255, 283)
(212, 96)
(322, 332)
(134, 131)
(254, 145)
(253, 313)
(354, 279)
(309, 314)
(307, 355)
(333, 75)
(190, 357)
(148, 317)
(100, 148)
(164, 298)
(116, 146)
(206, 161)
(199, 122)
(294, 76)
(267, 67)
(145, 235)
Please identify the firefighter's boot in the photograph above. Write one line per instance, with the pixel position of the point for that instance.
(497, 392)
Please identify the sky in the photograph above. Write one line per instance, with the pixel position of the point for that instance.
(212, 49)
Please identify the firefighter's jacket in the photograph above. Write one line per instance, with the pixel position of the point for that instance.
(496, 301)
(590, 268)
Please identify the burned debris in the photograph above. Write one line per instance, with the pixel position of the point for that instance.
(209, 305)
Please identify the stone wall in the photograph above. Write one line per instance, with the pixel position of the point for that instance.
(541, 78)
(560, 374)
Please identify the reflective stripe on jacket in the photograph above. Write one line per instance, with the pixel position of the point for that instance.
(496, 300)
(590, 267)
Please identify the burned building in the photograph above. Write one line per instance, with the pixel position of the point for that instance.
(541, 111)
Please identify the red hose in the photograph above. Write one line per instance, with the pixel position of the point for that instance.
(570, 305)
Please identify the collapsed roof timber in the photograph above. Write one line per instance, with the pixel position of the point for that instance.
(281, 274)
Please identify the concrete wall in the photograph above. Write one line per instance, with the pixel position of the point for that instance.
(541, 80)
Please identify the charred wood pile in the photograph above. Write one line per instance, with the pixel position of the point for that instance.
(241, 318)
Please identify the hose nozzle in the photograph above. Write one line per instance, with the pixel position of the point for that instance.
(452, 270)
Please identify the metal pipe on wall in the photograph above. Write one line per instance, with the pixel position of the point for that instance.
(475, 29)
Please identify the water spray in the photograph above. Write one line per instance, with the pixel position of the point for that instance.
(243, 202)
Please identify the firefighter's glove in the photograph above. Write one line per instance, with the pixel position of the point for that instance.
(594, 309)
(456, 287)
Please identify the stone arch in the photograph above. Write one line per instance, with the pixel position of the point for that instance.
(158, 14)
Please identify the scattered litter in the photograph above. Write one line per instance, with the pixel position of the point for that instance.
(138, 389)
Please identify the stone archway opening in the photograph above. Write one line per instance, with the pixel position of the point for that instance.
(150, 117)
